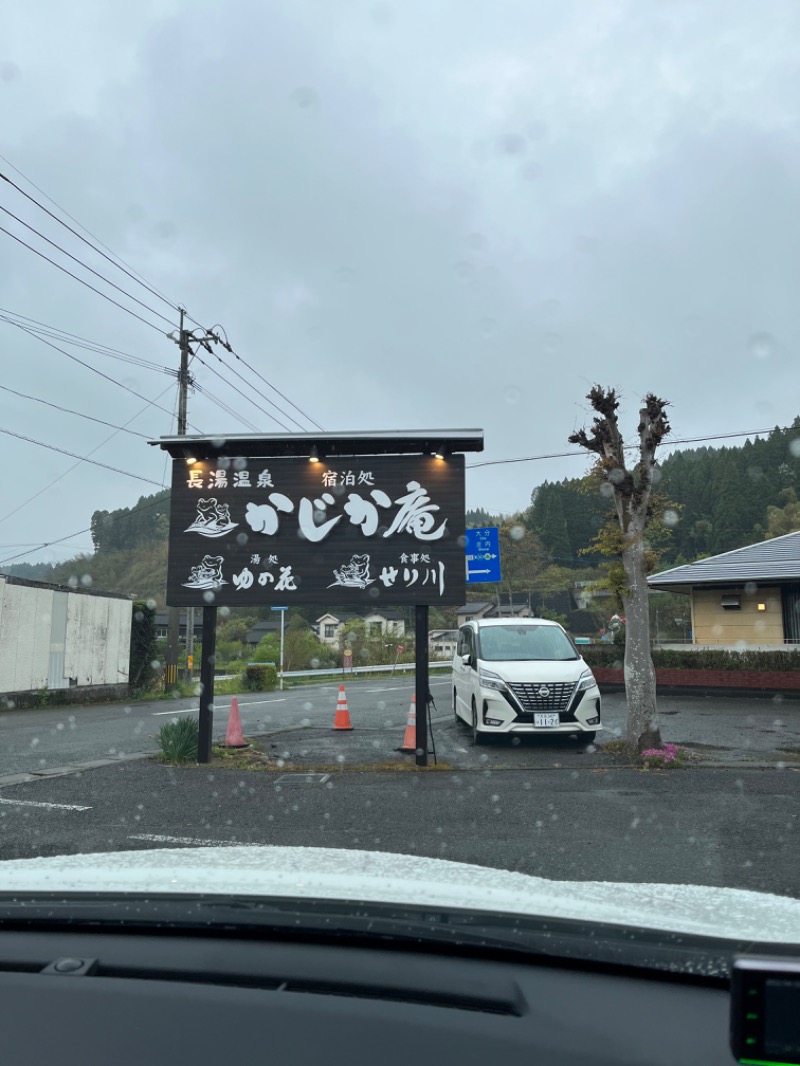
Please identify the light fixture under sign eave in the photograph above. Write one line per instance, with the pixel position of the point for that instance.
(313, 455)
(440, 453)
(190, 460)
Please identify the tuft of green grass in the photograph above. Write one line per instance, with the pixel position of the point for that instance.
(177, 741)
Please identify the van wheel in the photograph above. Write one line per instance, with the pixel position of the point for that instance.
(477, 736)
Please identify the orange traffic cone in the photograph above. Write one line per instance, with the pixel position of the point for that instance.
(342, 718)
(410, 738)
(233, 737)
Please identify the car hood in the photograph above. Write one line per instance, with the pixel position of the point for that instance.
(536, 670)
(367, 876)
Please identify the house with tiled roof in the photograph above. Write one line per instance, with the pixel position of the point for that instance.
(749, 597)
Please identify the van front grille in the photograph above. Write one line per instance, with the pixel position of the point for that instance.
(544, 695)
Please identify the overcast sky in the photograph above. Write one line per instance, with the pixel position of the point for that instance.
(429, 213)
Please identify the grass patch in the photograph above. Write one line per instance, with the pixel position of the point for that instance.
(177, 741)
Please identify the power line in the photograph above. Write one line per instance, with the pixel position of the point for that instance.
(94, 370)
(261, 394)
(69, 411)
(224, 407)
(85, 266)
(91, 346)
(47, 258)
(226, 344)
(253, 370)
(628, 448)
(134, 275)
(63, 451)
(243, 394)
(69, 469)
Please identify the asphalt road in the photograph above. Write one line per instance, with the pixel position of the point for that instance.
(546, 806)
(40, 741)
(735, 828)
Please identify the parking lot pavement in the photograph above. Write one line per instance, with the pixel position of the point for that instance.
(723, 730)
(734, 827)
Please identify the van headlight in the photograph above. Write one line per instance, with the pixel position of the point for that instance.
(490, 680)
(586, 680)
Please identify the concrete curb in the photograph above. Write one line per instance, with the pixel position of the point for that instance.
(24, 776)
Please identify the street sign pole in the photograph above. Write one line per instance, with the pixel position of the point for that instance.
(206, 714)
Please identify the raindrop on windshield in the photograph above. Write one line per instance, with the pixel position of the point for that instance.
(761, 345)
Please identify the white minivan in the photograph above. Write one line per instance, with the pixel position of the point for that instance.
(522, 675)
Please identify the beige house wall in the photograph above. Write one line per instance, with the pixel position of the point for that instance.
(713, 625)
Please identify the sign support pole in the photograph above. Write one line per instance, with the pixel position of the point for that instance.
(206, 717)
(422, 687)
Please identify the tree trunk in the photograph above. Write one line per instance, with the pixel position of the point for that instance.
(640, 675)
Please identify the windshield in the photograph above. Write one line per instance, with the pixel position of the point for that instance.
(350, 347)
(525, 642)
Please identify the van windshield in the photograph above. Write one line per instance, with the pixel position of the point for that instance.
(502, 643)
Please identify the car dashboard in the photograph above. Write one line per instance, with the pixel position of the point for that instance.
(96, 992)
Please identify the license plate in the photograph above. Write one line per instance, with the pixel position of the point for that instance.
(545, 719)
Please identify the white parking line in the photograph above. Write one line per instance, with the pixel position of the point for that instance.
(49, 806)
(184, 710)
(156, 838)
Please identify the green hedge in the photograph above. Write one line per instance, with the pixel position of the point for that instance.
(675, 659)
(260, 678)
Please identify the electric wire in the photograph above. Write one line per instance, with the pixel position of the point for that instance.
(83, 458)
(116, 261)
(85, 266)
(243, 394)
(47, 258)
(94, 369)
(628, 448)
(75, 339)
(69, 411)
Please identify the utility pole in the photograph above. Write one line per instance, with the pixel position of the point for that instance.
(174, 619)
(184, 338)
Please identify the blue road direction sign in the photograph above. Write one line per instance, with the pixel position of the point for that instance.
(482, 548)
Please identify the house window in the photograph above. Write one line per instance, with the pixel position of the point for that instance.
(330, 630)
(375, 629)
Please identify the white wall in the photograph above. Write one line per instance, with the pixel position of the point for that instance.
(97, 646)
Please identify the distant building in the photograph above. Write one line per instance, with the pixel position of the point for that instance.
(331, 626)
(162, 624)
(53, 637)
(442, 643)
(749, 597)
(267, 627)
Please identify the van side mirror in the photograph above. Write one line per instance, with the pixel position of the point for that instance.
(465, 658)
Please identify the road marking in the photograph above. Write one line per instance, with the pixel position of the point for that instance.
(255, 703)
(156, 838)
(49, 806)
(303, 779)
(193, 710)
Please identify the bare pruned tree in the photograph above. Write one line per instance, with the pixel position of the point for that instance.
(632, 491)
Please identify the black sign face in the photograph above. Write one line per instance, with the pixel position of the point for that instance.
(369, 530)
